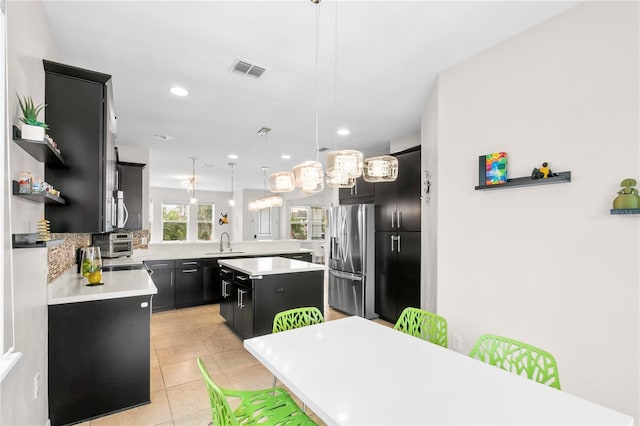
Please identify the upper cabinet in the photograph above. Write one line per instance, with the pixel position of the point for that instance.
(80, 115)
(130, 183)
(398, 203)
(363, 192)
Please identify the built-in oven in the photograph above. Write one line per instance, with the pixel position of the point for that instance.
(114, 244)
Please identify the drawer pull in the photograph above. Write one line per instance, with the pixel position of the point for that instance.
(241, 278)
(188, 271)
(189, 263)
(226, 271)
(155, 265)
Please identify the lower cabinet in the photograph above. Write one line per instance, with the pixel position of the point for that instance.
(98, 358)
(211, 288)
(163, 274)
(250, 304)
(188, 288)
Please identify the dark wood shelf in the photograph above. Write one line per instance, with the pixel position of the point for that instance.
(31, 241)
(40, 150)
(563, 177)
(625, 211)
(41, 197)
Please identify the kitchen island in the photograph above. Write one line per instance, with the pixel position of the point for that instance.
(99, 344)
(254, 290)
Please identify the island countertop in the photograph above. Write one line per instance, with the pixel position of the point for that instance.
(71, 287)
(270, 265)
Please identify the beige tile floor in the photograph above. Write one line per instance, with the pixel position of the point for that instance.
(178, 393)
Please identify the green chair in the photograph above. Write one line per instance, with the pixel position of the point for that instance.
(517, 357)
(266, 407)
(296, 318)
(423, 324)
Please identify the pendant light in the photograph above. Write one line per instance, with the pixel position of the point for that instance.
(265, 202)
(232, 202)
(309, 176)
(193, 199)
(345, 166)
(383, 168)
(281, 181)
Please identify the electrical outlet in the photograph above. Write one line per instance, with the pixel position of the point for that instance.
(456, 342)
(36, 386)
(143, 241)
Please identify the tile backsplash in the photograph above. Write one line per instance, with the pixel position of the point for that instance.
(63, 256)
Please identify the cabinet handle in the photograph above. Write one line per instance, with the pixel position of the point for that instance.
(241, 278)
(393, 220)
(188, 271)
(392, 240)
(159, 264)
(226, 271)
(171, 278)
(398, 239)
(399, 220)
(224, 288)
(189, 263)
(240, 298)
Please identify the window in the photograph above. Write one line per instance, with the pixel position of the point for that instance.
(174, 222)
(308, 223)
(205, 221)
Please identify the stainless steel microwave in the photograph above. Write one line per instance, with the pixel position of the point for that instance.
(114, 244)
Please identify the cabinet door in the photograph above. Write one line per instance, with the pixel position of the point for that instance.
(362, 192)
(385, 212)
(228, 299)
(246, 309)
(211, 287)
(162, 274)
(408, 185)
(407, 274)
(130, 183)
(385, 300)
(188, 286)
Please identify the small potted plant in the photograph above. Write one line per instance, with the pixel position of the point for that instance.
(31, 128)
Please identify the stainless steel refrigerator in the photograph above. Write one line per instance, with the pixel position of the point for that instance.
(352, 259)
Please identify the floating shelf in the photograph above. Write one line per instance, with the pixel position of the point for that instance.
(625, 211)
(41, 197)
(40, 150)
(563, 177)
(31, 241)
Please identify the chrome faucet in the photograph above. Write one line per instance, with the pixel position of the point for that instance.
(228, 242)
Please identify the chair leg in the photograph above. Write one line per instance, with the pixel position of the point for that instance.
(274, 382)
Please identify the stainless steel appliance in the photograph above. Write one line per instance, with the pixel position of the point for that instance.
(114, 244)
(122, 214)
(352, 259)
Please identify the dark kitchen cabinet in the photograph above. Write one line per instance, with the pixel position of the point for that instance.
(397, 273)
(130, 183)
(211, 288)
(228, 298)
(98, 358)
(188, 288)
(398, 203)
(305, 257)
(363, 192)
(82, 122)
(162, 274)
(243, 308)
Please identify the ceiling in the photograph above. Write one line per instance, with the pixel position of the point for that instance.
(388, 56)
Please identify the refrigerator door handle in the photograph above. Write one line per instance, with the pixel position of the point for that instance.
(346, 275)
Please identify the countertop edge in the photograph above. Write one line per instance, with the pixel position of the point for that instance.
(311, 268)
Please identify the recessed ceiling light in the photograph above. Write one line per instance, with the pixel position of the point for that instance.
(285, 156)
(161, 137)
(232, 156)
(179, 91)
(343, 132)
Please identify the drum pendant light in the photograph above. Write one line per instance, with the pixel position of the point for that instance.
(383, 168)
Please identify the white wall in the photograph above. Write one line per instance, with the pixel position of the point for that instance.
(158, 196)
(29, 40)
(406, 142)
(547, 264)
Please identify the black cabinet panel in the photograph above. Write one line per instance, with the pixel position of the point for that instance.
(408, 192)
(77, 113)
(363, 192)
(162, 274)
(189, 288)
(98, 358)
(130, 183)
(211, 287)
(228, 294)
(408, 271)
(386, 262)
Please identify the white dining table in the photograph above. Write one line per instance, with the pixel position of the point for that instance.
(354, 371)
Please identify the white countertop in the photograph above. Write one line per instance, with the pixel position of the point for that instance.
(270, 265)
(71, 287)
(354, 371)
(142, 255)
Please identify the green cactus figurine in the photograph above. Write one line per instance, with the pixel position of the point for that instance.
(627, 196)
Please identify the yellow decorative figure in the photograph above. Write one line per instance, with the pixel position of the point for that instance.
(43, 230)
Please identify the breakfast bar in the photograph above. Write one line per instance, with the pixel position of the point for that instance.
(254, 290)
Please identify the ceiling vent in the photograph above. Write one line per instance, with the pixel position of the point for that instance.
(247, 69)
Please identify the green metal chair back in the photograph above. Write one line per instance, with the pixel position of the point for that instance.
(296, 318)
(423, 324)
(517, 357)
(266, 407)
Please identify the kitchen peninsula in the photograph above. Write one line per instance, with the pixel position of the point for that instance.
(98, 344)
(254, 290)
